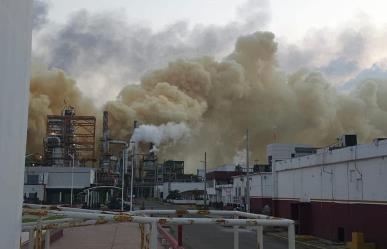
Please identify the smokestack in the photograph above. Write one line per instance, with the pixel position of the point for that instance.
(135, 124)
(105, 155)
(105, 134)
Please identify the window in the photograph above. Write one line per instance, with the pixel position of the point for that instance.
(32, 179)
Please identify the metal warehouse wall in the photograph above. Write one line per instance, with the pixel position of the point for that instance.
(350, 174)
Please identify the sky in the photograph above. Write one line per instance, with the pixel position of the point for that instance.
(287, 18)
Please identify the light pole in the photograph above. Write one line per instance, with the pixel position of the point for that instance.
(247, 194)
(123, 179)
(131, 174)
(205, 180)
(72, 180)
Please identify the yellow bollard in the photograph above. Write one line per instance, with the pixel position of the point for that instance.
(358, 242)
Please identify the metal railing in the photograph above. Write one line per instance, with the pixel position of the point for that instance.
(80, 217)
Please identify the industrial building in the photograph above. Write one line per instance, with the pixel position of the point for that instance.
(219, 184)
(54, 184)
(69, 139)
(69, 152)
(329, 192)
(107, 174)
(336, 191)
(66, 168)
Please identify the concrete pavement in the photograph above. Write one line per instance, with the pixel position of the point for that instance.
(219, 237)
(108, 236)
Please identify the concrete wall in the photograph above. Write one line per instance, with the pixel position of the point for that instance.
(15, 46)
(187, 202)
(181, 186)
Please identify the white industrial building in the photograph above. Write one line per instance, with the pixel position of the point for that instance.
(53, 184)
(335, 191)
(330, 192)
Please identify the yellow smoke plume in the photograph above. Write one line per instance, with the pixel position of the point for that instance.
(219, 100)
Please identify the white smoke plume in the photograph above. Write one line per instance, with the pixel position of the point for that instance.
(154, 149)
(240, 158)
(166, 133)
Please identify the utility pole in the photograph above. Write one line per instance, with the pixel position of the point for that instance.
(131, 175)
(247, 194)
(72, 180)
(205, 180)
(123, 179)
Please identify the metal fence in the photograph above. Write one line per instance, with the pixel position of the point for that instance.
(74, 217)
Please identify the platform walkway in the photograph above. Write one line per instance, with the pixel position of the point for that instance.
(109, 236)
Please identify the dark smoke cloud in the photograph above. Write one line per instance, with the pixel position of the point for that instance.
(39, 13)
(339, 53)
(108, 52)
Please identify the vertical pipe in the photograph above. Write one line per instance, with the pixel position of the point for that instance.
(291, 237)
(259, 237)
(236, 235)
(153, 236)
(31, 239)
(123, 179)
(47, 240)
(205, 180)
(87, 198)
(72, 180)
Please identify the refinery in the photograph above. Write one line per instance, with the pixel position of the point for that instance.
(114, 134)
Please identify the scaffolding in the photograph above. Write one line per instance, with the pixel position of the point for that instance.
(69, 136)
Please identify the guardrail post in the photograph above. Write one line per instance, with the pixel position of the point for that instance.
(47, 240)
(236, 235)
(291, 237)
(180, 233)
(259, 237)
(142, 231)
(31, 239)
(38, 240)
(153, 235)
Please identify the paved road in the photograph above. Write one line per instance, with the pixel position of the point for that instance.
(219, 237)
